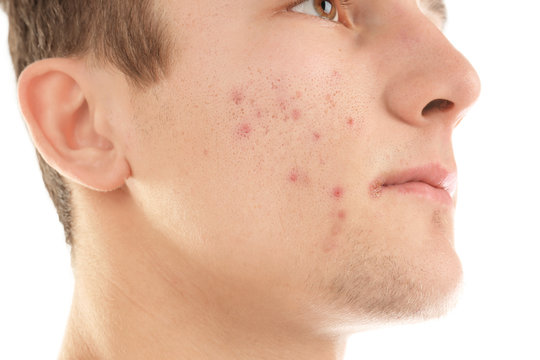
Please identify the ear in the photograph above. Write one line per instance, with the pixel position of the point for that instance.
(67, 123)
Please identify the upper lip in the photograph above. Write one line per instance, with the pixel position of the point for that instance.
(433, 174)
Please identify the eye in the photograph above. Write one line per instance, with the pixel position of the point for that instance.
(321, 8)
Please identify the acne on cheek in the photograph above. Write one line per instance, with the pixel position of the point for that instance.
(337, 192)
(243, 104)
(331, 241)
(243, 130)
(298, 177)
(237, 96)
(287, 106)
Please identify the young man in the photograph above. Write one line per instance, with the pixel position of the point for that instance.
(256, 179)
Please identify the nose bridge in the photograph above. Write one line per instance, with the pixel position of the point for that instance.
(424, 71)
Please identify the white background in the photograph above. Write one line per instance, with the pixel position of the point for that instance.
(497, 229)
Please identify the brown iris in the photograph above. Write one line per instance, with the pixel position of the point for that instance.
(325, 8)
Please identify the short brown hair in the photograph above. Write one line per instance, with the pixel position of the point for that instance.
(127, 34)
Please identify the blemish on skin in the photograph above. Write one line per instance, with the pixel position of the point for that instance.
(375, 190)
(259, 114)
(337, 192)
(296, 176)
(342, 214)
(331, 242)
(237, 96)
(298, 94)
(293, 176)
(243, 130)
(350, 121)
(205, 152)
(316, 136)
(296, 114)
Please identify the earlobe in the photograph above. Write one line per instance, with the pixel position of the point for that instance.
(64, 120)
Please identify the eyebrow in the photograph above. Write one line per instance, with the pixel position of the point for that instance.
(438, 8)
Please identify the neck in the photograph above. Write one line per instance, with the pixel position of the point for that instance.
(135, 298)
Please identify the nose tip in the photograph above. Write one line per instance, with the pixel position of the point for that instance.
(436, 81)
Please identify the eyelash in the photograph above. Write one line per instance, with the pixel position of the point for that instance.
(343, 4)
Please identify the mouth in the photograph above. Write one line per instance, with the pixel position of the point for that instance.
(432, 182)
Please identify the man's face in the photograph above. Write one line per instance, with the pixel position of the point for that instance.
(267, 155)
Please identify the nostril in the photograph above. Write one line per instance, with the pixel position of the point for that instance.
(437, 105)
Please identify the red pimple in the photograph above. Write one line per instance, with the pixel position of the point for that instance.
(350, 121)
(337, 192)
(296, 114)
(293, 176)
(243, 130)
(237, 96)
(316, 136)
(341, 214)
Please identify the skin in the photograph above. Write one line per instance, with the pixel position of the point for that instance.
(228, 210)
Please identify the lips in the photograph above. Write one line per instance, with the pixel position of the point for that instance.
(430, 181)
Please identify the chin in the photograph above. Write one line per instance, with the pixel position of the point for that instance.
(394, 288)
(435, 290)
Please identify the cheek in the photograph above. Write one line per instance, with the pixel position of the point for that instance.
(284, 139)
(290, 115)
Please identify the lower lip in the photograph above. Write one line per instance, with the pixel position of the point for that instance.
(423, 190)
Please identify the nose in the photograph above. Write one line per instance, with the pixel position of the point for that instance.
(427, 78)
